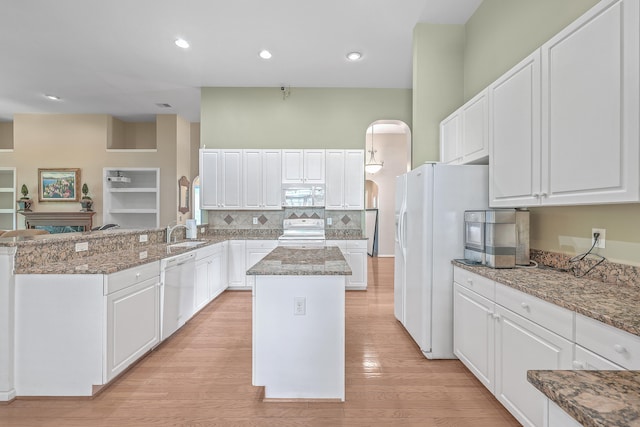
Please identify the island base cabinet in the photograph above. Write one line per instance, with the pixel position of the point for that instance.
(133, 325)
(59, 340)
(556, 417)
(299, 336)
(522, 345)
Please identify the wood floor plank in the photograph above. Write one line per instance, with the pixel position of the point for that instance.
(201, 376)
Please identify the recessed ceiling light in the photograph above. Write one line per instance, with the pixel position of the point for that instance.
(265, 54)
(182, 43)
(52, 97)
(354, 56)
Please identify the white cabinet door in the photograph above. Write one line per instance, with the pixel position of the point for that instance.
(475, 135)
(556, 417)
(236, 264)
(272, 179)
(202, 283)
(354, 180)
(314, 166)
(357, 259)
(514, 136)
(450, 139)
(209, 179)
(231, 179)
(252, 184)
(261, 179)
(473, 334)
(335, 185)
(292, 166)
(590, 98)
(215, 271)
(522, 345)
(133, 324)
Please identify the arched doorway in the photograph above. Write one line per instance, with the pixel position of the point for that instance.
(391, 142)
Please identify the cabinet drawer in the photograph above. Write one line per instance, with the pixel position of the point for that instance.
(356, 244)
(207, 251)
(122, 279)
(546, 314)
(611, 343)
(478, 284)
(261, 244)
(589, 361)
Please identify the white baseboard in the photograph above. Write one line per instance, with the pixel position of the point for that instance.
(7, 396)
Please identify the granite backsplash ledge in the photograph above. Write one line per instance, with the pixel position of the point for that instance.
(607, 272)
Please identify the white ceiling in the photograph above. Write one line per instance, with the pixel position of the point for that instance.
(118, 57)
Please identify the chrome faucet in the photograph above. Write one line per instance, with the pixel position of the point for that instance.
(170, 230)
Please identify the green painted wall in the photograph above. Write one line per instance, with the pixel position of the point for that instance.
(307, 118)
(438, 52)
(502, 32)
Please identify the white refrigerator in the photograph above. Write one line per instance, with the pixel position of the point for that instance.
(430, 205)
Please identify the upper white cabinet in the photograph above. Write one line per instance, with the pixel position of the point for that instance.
(450, 139)
(261, 183)
(303, 166)
(514, 135)
(7, 198)
(464, 136)
(345, 179)
(564, 122)
(590, 98)
(220, 179)
(131, 197)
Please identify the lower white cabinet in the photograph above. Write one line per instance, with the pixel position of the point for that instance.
(133, 324)
(556, 417)
(236, 263)
(499, 346)
(210, 273)
(255, 251)
(76, 332)
(522, 345)
(355, 252)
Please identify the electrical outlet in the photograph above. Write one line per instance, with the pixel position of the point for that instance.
(143, 255)
(202, 230)
(143, 238)
(80, 247)
(601, 238)
(300, 306)
(329, 221)
(255, 220)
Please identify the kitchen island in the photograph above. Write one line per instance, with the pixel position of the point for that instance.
(298, 323)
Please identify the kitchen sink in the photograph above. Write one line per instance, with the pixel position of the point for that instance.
(187, 244)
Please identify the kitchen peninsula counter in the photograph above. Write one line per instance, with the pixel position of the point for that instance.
(594, 398)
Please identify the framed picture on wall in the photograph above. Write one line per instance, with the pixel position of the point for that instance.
(58, 185)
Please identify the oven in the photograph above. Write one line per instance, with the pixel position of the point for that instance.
(302, 232)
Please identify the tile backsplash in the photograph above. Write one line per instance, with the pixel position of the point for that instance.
(231, 220)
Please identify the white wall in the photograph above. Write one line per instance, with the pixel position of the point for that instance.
(393, 150)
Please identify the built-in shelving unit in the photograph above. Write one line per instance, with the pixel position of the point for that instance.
(7, 198)
(132, 197)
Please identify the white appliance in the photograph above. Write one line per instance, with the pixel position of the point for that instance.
(430, 233)
(178, 291)
(302, 232)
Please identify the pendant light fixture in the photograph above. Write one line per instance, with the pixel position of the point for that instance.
(372, 165)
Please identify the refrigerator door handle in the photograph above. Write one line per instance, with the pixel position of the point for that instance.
(404, 229)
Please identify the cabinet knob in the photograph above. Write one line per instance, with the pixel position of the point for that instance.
(619, 349)
(490, 313)
(496, 316)
(536, 195)
(543, 194)
(137, 275)
(470, 281)
(524, 305)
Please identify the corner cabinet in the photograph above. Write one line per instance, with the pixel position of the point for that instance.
(220, 179)
(261, 179)
(585, 86)
(7, 198)
(344, 180)
(131, 197)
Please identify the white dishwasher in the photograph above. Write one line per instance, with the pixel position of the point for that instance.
(178, 291)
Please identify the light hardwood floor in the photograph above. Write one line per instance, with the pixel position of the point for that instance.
(202, 377)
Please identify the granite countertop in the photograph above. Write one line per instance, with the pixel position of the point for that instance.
(303, 261)
(615, 305)
(593, 398)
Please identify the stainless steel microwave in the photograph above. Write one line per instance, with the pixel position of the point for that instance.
(311, 195)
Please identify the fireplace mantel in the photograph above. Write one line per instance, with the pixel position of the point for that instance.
(81, 219)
